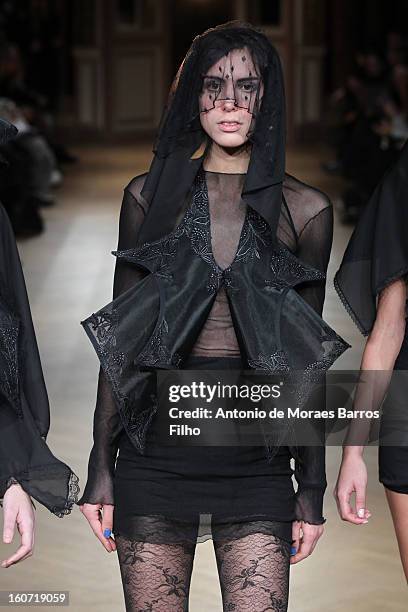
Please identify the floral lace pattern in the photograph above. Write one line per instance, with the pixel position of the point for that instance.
(252, 563)
(138, 423)
(288, 270)
(156, 255)
(156, 352)
(72, 497)
(276, 362)
(300, 383)
(104, 325)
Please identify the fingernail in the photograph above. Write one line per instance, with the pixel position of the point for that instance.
(293, 551)
(361, 513)
(365, 521)
(107, 533)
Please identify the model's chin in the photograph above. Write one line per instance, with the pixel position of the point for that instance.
(229, 139)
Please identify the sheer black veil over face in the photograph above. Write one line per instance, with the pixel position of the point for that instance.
(181, 134)
(230, 100)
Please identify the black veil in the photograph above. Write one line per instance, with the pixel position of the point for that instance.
(181, 136)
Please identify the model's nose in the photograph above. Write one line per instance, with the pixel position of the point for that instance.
(228, 104)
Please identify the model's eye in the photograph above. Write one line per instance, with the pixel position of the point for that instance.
(248, 85)
(212, 85)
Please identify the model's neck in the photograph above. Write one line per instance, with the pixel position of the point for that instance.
(234, 160)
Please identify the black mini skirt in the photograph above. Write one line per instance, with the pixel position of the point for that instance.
(393, 446)
(189, 494)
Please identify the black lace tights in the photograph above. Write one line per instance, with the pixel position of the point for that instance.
(253, 571)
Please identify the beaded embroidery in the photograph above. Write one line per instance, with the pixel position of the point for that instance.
(9, 372)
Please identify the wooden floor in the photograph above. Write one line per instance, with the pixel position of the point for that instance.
(69, 274)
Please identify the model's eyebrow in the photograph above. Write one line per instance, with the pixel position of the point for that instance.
(248, 78)
(218, 78)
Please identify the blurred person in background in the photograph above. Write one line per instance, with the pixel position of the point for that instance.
(369, 125)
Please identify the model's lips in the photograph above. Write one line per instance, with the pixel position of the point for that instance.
(229, 126)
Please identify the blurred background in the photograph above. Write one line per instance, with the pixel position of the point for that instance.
(85, 82)
(74, 72)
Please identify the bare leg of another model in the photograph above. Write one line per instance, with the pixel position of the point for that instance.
(398, 503)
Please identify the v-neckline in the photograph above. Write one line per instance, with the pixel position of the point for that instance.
(203, 180)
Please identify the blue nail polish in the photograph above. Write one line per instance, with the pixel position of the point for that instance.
(107, 533)
(293, 551)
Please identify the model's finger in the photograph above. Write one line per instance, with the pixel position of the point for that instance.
(315, 540)
(304, 548)
(344, 503)
(336, 497)
(95, 521)
(12, 561)
(296, 532)
(10, 518)
(346, 511)
(296, 527)
(107, 525)
(26, 528)
(360, 509)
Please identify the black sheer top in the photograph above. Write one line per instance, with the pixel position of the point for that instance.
(305, 227)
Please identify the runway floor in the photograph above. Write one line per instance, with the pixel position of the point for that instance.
(69, 271)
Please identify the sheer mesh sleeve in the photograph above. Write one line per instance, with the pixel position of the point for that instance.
(311, 214)
(314, 248)
(107, 427)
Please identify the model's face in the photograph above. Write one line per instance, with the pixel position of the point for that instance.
(231, 92)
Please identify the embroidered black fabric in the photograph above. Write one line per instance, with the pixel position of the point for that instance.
(305, 228)
(24, 410)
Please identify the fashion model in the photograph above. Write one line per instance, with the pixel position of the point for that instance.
(221, 264)
(371, 282)
(27, 466)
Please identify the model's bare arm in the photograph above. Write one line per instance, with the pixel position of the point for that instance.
(381, 350)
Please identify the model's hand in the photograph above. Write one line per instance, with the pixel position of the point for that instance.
(100, 518)
(18, 510)
(305, 537)
(352, 479)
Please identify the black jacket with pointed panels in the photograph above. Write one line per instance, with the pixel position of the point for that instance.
(155, 323)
